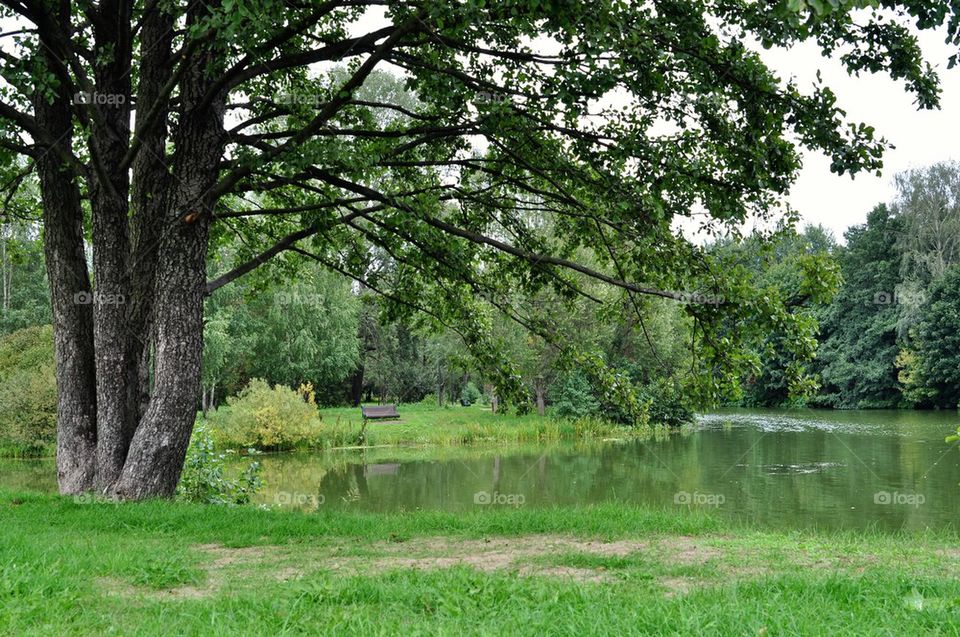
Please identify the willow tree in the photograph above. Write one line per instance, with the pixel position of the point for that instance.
(153, 128)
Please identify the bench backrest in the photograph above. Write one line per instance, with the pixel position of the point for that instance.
(384, 411)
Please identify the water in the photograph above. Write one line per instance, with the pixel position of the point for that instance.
(888, 470)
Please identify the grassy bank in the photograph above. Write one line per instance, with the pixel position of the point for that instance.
(167, 568)
(420, 424)
(456, 425)
(452, 426)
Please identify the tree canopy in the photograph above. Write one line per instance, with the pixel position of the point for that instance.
(155, 129)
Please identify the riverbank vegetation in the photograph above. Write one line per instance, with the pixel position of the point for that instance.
(874, 317)
(878, 328)
(280, 419)
(73, 566)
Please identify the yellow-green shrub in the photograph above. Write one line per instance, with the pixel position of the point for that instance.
(267, 418)
(28, 389)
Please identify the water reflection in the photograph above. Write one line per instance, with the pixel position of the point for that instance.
(888, 470)
(785, 469)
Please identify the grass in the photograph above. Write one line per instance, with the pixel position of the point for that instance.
(455, 425)
(173, 568)
(449, 426)
(25, 450)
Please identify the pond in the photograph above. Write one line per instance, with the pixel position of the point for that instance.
(888, 470)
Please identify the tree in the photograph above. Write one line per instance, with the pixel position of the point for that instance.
(928, 203)
(937, 341)
(239, 125)
(800, 269)
(859, 328)
(24, 297)
(287, 332)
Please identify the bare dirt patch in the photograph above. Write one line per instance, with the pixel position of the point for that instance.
(678, 564)
(115, 587)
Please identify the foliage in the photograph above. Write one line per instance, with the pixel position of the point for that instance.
(265, 418)
(284, 331)
(573, 396)
(469, 394)
(667, 404)
(937, 341)
(799, 273)
(399, 363)
(278, 418)
(203, 481)
(859, 329)
(928, 205)
(24, 296)
(28, 391)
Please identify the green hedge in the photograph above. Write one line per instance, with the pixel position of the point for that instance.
(28, 392)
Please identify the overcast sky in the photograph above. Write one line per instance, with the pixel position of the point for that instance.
(921, 137)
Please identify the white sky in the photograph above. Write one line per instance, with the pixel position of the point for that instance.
(921, 137)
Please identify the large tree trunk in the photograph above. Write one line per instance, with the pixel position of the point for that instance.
(70, 290)
(109, 201)
(158, 448)
(112, 434)
(159, 445)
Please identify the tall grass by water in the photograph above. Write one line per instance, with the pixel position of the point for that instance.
(432, 425)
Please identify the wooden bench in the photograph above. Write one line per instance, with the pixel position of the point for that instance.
(382, 412)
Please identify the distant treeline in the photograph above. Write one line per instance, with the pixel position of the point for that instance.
(881, 311)
(890, 338)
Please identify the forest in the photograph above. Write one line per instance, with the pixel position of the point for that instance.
(880, 325)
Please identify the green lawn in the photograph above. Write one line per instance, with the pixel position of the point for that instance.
(457, 425)
(167, 568)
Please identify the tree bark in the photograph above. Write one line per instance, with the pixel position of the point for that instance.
(356, 385)
(159, 445)
(540, 391)
(109, 201)
(70, 290)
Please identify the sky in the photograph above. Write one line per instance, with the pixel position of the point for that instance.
(921, 138)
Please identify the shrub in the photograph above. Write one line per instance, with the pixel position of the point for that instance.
(469, 394)
(666, 404)
(573, 396)
(28, 389)
(202, 479)
(266, 418)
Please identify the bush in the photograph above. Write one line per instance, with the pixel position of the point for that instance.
(266, 418)
(28, 389)
(666, 404)
(202, 479)
(469, 394)
(573, 396)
